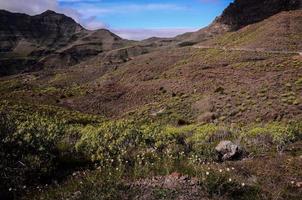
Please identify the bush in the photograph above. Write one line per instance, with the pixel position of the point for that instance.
(28, 151)
(275, 133)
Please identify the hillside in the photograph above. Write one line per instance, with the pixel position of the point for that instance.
(212, 115)
(48, 29)
(29, 43)
(281, 32)
(239, 14)
(244, 12)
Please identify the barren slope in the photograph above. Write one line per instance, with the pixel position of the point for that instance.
(281, 32)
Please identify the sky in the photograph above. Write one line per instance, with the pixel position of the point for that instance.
(130, 19)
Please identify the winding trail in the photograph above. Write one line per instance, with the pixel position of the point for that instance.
(248, 50)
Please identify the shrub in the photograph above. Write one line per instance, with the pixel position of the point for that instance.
(28, 150)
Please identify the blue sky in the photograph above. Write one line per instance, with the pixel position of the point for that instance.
(149, 14)
(132, 19)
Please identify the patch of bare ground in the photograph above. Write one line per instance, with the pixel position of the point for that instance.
(174, 186)
(277, 176)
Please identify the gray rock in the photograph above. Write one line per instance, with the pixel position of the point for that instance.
(227, 150)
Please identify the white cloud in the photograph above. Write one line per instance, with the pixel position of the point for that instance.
(92, 10)
(91, 23)
(140, 34)
(28, 6)
(34, 7)
(76, 1)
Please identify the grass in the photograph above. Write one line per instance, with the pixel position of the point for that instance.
(43, 139)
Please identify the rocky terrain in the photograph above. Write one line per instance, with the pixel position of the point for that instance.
(240, 14)
(29, 43)
(214, 114)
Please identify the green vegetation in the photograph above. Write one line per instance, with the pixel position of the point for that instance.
(37, 142)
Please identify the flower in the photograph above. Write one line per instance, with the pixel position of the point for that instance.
(228, 169)
(292, 182)
(242, 184)
(207, 173)
(220, 170)
(230, 180)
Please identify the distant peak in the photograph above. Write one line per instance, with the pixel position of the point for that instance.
(49, 12)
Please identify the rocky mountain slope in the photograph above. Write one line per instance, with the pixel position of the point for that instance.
(245, 12)
(48, 40)
(23, 33)
(281, 32)
(239, 14)
(33, 42)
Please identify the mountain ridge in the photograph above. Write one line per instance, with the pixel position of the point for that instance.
(239, 14)
(49, 39)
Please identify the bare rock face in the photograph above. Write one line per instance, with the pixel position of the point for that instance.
(245, 12)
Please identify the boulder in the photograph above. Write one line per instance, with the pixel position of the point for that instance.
(227, 150)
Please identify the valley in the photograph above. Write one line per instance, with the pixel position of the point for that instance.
(214, 114)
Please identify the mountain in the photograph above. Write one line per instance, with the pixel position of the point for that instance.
(239, 14)
(49, 40)
(281, 32)
(245, 12)
(24, 33)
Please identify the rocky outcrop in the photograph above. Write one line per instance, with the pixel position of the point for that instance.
(245, 12)
(227, 150)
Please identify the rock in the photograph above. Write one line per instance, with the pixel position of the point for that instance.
(159, 112)
(245, 12)
(219, 90)
(175, 175)
(227, 150)
(76, 195)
